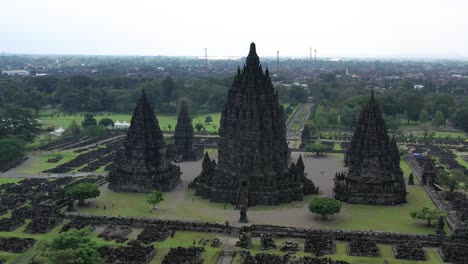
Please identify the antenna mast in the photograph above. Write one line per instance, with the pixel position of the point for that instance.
(277, 62)
(206, 59)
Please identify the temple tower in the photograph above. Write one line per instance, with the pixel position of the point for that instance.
(253, 153)
(141, 166)
(183, 137)
(374, 175)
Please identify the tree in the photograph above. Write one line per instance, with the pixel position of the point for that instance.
(461, 118)
(154, 198)
(424, 116)
(106, 122)
(89, 121)
(439, 119)
(168, 87)
(73, 246)
(317, 147)
(198, 126)
(73, 130)
(82, 191)
(10, 149)
(426, 213)
(332, 116)
(19, 122)
(95, 131)
(313, 129)
(324, 206)
(208, 120)
(288, 111)
(348, 115)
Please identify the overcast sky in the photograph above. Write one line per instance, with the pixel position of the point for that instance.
(336, 28)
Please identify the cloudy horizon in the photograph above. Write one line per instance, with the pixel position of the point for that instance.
(367, 29)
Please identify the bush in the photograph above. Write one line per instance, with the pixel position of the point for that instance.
(324, 206)
(106, 122)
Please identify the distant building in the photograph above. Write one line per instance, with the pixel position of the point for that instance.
(418, 86)
(16, 73)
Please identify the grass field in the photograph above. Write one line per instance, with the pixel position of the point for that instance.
(10, 180)
(385, 250)
(460, 160)
(46, 119)
(38, 162)
(185, 239)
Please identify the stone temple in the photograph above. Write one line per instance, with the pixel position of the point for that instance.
(183, 137)
(374, 175)
(141, 166)
(253, 154)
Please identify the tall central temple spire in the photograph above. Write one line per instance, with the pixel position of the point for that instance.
(253, 153)
(374, 175)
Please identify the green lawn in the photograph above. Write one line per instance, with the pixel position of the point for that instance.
(337, 146)
(165, 121)
(10, 180)
(459, 159)
(39, 161)
(375, 217)
(185, 239)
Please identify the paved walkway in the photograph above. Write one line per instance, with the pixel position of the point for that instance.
(296, 134)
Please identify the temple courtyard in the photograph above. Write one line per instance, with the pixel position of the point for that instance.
(182, 204)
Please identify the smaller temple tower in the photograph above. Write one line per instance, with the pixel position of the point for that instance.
(428, 176)
(141, 166)
(374, 175)
(184, 139)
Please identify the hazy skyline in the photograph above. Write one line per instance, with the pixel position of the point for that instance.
(416, 28)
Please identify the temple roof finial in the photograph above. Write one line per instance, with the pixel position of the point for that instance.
(252, 58)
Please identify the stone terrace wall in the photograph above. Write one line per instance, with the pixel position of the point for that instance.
(451, 218)
(143, 221)
(275, 231)
(348, 235)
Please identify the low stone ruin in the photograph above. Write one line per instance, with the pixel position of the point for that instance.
(216, 243)
(364, 248)
(42, 225)
(409, 250)
(117, 232)
(262, 258)
(267, 242)
(10, 224)
(153, 233)
(134, 253)
(77, 225)
(319, 245)
(54, 160)
(315, 260)
(247, 258)
(16, 245)
(245, 240)
(289, 246)
(28, 212)
(191, 255)
(456, 254)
